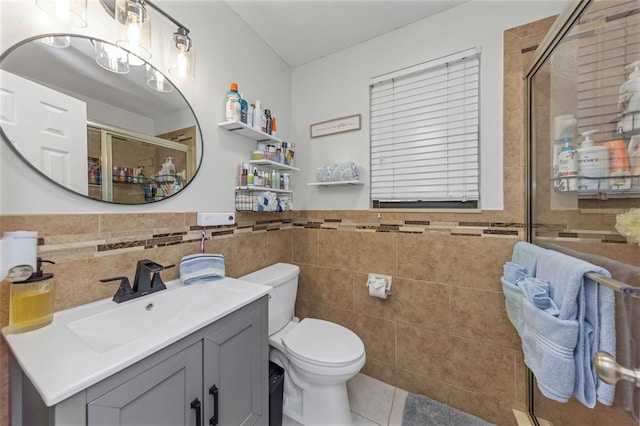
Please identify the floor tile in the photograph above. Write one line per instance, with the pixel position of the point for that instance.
(357, 420)
(370, 398)
(398, 407)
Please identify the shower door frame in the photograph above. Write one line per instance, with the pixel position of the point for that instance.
(563, 24)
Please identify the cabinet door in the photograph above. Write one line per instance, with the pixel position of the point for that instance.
(162, 395)
(235, 362)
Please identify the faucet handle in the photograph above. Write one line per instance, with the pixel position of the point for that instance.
(124, 289)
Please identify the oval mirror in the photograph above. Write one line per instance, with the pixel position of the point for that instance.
(96, 120)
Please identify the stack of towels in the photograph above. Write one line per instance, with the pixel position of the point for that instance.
(201, 267)
(563, 318)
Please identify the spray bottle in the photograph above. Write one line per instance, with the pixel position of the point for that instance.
(567, 167)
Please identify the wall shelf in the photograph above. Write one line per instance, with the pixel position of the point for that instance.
(336, 183)
(273, 165)
(248, 132)
(263, 189)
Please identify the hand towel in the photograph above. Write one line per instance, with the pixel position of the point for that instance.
(201, 267)
(513, 294)
(592, 306)
(548, 344)
(526, 254)
(538, 293)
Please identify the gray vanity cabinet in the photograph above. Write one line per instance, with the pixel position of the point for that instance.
(161, 395)
(221, 369)
(232, 359)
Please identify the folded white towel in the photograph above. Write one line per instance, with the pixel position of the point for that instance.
(201, 267)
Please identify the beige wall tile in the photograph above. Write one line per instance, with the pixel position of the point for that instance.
(305, 245)
(48, 225)
(326, 285)
(137, 221)
(480, 315)
(358, 251)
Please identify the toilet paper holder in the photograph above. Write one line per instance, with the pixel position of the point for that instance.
(375, 281)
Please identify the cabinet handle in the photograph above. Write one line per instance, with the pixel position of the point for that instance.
(195, 405)
(213, 390)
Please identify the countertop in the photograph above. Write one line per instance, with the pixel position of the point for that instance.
(60, 364)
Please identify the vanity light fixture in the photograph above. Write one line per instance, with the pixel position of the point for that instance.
(61, 42)
(72, 12)
(157, 81)
(182, 55)
(134, 27)
(111, 57)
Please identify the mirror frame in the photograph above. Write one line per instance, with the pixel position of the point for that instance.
(199, 144)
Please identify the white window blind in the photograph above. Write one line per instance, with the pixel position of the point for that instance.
(425, 134)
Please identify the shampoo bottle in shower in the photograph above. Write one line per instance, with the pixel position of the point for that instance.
(619, 173)
(593, 164)
(567, 167)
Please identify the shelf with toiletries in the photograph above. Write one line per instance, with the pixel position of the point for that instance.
(248, 132)
(337, 183)
(273, 165)
(263, 199)
(620, 186)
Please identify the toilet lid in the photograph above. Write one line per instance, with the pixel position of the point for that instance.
(323, 342)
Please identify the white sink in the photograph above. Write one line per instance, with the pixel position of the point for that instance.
(130, 320)
(88, 343)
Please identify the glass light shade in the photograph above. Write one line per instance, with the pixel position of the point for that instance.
(157, 81)
(72, 12)
(134, 61)
(60, 42)
(134, 27)
(111, 57)
(183, 63)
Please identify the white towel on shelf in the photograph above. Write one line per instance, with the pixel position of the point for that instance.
(201, 267)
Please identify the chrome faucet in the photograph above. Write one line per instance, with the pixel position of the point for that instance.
(147, 281)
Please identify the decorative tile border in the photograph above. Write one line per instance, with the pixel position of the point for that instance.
(89, 245)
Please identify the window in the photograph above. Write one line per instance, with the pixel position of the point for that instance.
(425, 134)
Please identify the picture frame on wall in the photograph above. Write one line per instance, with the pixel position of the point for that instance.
(344, 124)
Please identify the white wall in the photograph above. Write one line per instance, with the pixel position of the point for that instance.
(226, 49)
(338, 85)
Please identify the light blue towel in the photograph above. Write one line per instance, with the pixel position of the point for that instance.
(548, 344)
(526, 255)
(513, 294)
(580, 299)
(538, 293)
(201, 267)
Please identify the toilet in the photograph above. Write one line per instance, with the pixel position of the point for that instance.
(318, 356)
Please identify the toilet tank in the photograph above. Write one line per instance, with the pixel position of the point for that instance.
(283, 277)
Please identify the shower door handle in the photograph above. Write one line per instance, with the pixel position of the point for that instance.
(610, 371)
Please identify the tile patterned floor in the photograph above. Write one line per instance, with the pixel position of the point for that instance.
(375, 403)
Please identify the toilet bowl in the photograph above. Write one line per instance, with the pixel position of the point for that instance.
(318, 356)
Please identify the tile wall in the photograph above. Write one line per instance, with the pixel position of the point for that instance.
(443, 332)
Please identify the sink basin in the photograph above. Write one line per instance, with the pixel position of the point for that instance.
(130, 320)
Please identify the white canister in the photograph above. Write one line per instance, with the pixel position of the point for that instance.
(18, 248)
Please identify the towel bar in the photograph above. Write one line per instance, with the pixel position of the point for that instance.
(614, 284)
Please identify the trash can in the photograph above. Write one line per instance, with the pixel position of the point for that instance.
(276, 387)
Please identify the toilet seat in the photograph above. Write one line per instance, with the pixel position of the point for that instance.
(319, 345)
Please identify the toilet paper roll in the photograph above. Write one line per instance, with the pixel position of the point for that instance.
(377, 288)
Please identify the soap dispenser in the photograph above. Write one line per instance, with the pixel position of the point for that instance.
(629, 100)
(593, 164)
(567, 167)
(31, 301)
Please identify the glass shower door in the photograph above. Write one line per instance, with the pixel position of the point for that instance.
(584, 197)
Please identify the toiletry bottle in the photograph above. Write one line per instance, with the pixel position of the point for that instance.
(263, 121)
(257, 114)
(568, 167)
(31, 301)
(634, 160)
(232, 104)
(273, 127)
(239, 174)
(252, 107)
(250, 178)
(267, 121)
(244, 109)
(619, 172)
(593, 164)
(629, 99)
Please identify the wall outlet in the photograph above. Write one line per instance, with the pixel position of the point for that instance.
(216, 218)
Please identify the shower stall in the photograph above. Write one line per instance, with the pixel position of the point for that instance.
(584, 198)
